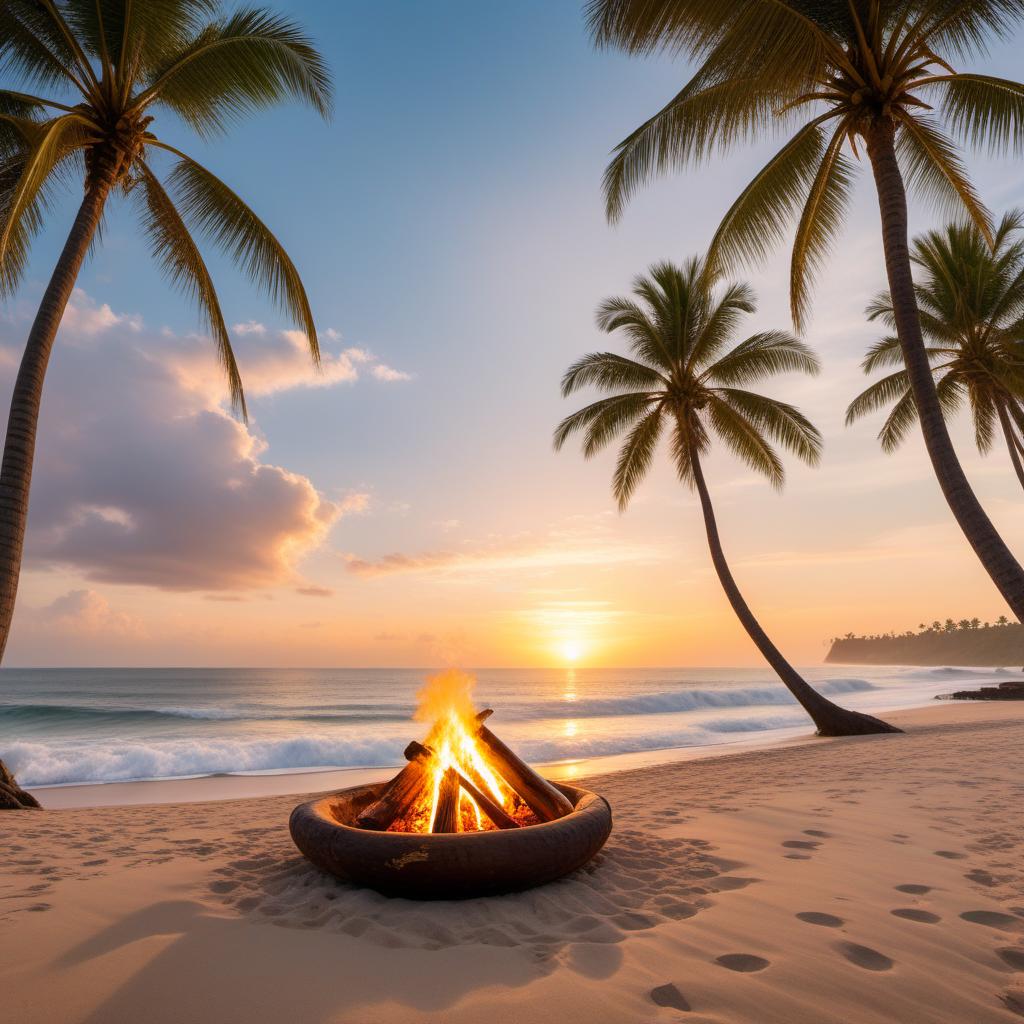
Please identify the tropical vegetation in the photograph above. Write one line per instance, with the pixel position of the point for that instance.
(971, 301)
(879, 79)
(687, 379)
(83, 81)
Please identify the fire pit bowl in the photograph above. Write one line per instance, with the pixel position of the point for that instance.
(457, 865)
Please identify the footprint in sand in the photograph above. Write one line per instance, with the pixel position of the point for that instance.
(950, 854)
(825, 920)
(912, 889)
(864, 956)
(668, 995)
(991, 919)
(801, 844)
(797, 856)
(817, 832)
(1013, 958)
(744, 963)
(913, 914)
(1014, 1003)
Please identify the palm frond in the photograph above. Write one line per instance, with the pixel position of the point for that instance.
(229, 223)
(782, 422)
(136, 37)
(889, 389)
(935, 171)
(47, 145)
(601, 421)
(985, 416)
(717, 328)
(756, 222)
(245, 62)
(762, 355)
(701, 119)
(610, 372)
(984, 110)
(174, 249)
(827, 202)
(32, 49)
(635, 457)
(745, 440)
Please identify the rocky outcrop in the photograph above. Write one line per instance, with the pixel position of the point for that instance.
(1004, 691)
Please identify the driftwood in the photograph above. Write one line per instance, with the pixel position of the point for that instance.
(536, 792)
(446, 814)
(400, 793)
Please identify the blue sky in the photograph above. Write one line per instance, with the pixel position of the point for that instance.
(449, 221)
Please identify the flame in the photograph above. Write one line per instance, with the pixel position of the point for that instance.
(445, 702)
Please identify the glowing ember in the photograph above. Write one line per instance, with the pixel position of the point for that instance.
(446, 704)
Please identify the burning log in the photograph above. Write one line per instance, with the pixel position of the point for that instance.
(401, 793)
(536, 792)
(498, 816)
(446, 815)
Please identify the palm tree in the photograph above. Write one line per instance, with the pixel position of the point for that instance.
(685, 377)
(108, 67)
(113, 64)
(971, 301)
(875, 75)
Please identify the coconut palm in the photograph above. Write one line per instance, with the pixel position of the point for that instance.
(879, 77)
(686, 378)
(108, 68)
(971, 301)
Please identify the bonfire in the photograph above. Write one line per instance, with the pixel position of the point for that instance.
(461, 777)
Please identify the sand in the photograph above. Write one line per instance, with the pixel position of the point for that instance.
(874, 879)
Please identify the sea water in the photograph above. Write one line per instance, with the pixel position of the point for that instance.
(65, 726)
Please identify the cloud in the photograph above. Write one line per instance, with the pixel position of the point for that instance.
(314, 591)
(249, 327)
(354, 503)
(85, 613)
(84, 317)
(141, 475)
(269, 362)
(522, 554)
(384, 372)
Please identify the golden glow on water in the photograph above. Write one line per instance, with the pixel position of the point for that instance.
(571, 728)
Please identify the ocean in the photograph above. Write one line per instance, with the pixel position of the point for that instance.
(67, 726)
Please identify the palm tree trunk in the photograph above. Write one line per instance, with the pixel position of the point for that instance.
(20, 442)
(830, 719)
(992, 552)
(1012, 443)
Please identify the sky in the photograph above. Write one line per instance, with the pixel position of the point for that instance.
(404, 507)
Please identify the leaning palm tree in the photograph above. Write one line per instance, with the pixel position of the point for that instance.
(971, 301)
(108, 68)
(686, 377)
(877, 76)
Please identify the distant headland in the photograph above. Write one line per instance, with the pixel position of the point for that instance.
(963, 642)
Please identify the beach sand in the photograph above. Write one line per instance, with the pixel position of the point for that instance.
(873, 879)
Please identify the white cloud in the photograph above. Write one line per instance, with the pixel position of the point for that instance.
(84, 317)
(143, 477)
(249, 327)
(386, 373)
(354, 503)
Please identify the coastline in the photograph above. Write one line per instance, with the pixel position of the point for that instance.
(820, 881)
(247, 785)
